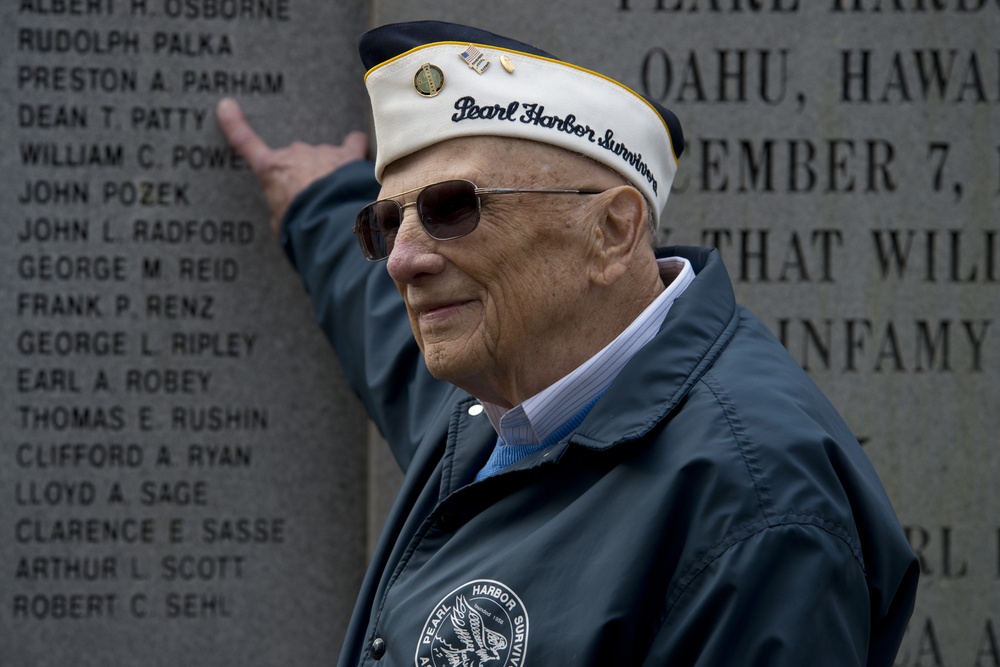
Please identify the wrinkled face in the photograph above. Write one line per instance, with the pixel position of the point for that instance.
(494, 311)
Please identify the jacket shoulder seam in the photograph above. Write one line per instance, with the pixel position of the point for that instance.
(746, 532)
(744, 443)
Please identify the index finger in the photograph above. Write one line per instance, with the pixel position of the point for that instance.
(240, 135)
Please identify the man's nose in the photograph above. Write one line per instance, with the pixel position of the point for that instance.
(413, 251)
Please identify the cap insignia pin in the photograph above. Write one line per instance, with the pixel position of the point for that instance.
(429, 80)
(507, 63)
(475, 59)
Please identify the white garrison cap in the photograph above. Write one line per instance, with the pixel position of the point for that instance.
(431, 81)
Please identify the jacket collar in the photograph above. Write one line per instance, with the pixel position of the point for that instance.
(698, 327)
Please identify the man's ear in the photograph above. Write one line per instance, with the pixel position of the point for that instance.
(621, 229)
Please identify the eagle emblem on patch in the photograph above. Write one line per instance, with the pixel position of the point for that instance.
(479, 624)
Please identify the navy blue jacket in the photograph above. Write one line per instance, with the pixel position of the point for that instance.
(712, 509)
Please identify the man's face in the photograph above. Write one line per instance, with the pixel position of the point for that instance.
(498, 312)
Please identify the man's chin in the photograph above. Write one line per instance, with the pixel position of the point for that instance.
(445, 364)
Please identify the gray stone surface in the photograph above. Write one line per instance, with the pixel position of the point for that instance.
(844, 155)
(181, 467)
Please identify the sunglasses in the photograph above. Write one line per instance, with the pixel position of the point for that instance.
(447, 210)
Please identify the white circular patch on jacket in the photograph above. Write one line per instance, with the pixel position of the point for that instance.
(480, 623)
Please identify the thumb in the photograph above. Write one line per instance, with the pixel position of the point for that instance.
(356, 144)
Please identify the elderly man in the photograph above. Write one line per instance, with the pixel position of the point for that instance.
(608, 461)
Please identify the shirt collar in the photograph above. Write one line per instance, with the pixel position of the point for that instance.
(541, 415)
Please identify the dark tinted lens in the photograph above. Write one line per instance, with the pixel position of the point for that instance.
(377, 225)
(449, 209)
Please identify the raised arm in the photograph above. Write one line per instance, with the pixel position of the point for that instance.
(314, 193)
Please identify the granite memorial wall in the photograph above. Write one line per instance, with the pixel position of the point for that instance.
(180, 470)
(181, 465)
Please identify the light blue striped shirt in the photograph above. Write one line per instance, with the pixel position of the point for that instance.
(539, 417)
